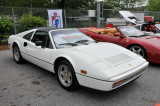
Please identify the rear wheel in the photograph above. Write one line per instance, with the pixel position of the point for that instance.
(17, 55)
(138, 50)
(66, 75)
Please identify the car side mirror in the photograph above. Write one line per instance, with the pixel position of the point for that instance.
(118, 35)
(38, 43)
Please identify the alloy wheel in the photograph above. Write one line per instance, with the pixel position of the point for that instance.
(138, 50)
(65, 75)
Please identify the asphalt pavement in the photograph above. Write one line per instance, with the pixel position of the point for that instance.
(29, 85)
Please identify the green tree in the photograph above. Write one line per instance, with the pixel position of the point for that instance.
(6, 26)
(28, 21)
(63, 4)
(71, 4)
(121, 4)
(154, 5)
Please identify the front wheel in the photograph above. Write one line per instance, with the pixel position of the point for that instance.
(66, 75)
(17, 55)
(139, 50)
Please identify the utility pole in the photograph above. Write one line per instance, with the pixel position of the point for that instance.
(98, 12)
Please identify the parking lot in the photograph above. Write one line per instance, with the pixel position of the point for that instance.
(29, 85)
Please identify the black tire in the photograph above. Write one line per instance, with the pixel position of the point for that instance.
(138, 47)
(73, 82)
(17, 55)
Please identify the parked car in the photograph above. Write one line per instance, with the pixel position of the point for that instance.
(147, 46)
(77, 59)
(147, 27)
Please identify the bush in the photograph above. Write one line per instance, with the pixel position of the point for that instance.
(28, 21)
(6, 26)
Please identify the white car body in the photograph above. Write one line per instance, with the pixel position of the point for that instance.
(105, 63)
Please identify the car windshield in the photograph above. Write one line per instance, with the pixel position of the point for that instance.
(132, 32)
(69, 38)
(158, 26)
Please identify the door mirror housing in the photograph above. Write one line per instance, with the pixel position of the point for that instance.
(117, 34)
(38, 43)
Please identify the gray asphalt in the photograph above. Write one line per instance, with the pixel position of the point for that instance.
(29, 85)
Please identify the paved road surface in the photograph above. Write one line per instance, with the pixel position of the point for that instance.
(29, 85)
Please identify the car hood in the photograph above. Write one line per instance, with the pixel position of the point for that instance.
(130, 17)
(110, 59)
(109, 53)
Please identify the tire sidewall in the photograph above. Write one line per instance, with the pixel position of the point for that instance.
(20, 57)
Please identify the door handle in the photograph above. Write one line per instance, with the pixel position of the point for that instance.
(25, 44)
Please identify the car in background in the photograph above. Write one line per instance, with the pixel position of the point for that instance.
(77, 59)
(147, 27)
(147, 46)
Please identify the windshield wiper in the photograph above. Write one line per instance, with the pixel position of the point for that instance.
(140, 35)
(144, 35)
(82, 41)
(73, 44)
(133, 36)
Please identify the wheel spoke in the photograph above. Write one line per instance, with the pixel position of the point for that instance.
(133, 49)
(138, 51)
(68, 80)
(62, 73)
(65, 70)
(64, 79)
(69, 74)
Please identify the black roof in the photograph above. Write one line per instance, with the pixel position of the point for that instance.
(47, 29)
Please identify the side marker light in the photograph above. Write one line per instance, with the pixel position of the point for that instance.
(84, 72)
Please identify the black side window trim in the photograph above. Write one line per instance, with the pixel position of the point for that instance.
(28, 36)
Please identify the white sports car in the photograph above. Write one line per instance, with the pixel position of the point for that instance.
(77, 59)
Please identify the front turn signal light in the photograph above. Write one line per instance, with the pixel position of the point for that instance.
(118, 83)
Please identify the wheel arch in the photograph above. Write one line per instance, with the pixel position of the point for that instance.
(135, 44)
(14, 43)
(60, 59)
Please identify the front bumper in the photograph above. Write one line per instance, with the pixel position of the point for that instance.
(109, 85)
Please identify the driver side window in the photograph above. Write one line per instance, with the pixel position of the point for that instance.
(44, 37)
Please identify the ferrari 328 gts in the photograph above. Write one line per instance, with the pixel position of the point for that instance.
(77, 59)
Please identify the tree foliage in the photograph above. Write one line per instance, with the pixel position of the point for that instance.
(6, 26)
(70, 4)
(28, 21)
(63, 4)
(154, 5)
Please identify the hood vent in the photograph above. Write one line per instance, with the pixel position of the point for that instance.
(116, 59)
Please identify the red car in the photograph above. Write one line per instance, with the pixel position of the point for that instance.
(148, 46)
